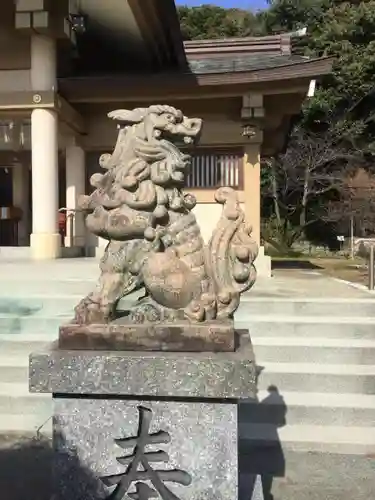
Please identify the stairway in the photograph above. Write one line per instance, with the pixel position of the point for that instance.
(26, 325)
(35, 298)
(318, 352)
(311, 438)
(320, 355)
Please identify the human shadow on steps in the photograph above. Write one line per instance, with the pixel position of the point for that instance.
(260, 449)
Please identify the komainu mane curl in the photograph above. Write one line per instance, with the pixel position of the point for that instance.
(154, 241)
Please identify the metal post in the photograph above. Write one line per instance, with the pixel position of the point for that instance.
(371, 268)
(71, 228)
(352, 237)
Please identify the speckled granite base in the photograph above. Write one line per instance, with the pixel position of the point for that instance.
(203, 444)
(139, 374)
(190, 398)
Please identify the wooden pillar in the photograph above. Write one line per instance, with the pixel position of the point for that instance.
(252, 193)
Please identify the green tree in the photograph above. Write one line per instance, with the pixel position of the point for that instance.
(210, 22)
(340, 108)
(289, 15)
(345, 31)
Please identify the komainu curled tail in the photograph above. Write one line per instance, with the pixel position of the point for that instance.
(230, 254)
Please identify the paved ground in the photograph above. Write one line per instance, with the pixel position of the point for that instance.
(25, 469)
(25, 474)
(312, 476)
(318, 476)
(305, 284)
(77, 276)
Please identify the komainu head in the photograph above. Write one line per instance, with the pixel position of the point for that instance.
(160, 122)
(145, 174)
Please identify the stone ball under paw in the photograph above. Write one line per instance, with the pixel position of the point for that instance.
(170, 281)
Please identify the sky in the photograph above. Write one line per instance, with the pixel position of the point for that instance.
(242, 4)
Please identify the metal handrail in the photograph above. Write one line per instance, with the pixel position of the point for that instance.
(371, 264)
(66, 209)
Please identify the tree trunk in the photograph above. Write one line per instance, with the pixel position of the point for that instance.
(275, 195)
(305, 196)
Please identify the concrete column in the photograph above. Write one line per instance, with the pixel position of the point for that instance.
(45, 238)
(43, 63)
(75, 186)
(21, 174)
(253, 203)
(101, 244)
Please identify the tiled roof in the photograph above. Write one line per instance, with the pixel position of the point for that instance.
(275, 44)
(248, 62)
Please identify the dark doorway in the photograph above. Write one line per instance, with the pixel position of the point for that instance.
(6, 187)
(7, 226)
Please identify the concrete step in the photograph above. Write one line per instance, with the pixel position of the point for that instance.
(49, 302)
(313, 377)
(309, 409)
(22, 412)
(21, 347)
(331, 307)
(292, 407)
(16, 373)
(38, 305)
(267, 349)
(16, 325)
(16, 399)
(63, 296)
(315, 365)
(42, 305)
(308, 327)
(45, 321)
(328, 439)
(314, 350)
(25, 424)
(22, 287)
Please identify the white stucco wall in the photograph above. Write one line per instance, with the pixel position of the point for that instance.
(17, 80)
(208, 215)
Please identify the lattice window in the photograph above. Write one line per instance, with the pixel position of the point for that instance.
(209, 169)
(213, 169)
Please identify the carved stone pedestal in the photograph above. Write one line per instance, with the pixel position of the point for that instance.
(146, 425)
(179, 336)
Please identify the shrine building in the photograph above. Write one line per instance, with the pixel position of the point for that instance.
(65, 64)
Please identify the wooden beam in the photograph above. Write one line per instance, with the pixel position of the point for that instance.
(20, 103)
(27, 100)
(70, 115)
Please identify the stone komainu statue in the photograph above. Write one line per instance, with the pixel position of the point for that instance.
(154, 241)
